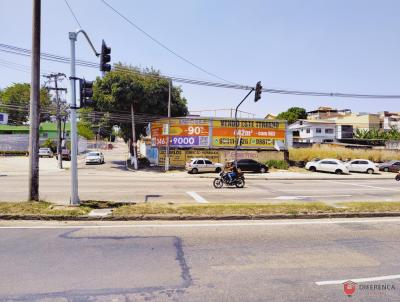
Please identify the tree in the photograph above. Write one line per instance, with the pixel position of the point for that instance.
(293, 114)
(15, 102)
(148, 93)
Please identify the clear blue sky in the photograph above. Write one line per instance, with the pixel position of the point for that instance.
(330, 45)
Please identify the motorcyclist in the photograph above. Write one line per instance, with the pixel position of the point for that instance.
(232, 171)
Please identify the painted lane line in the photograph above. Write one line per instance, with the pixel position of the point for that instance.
(360, 280)
(294, 197)
(196, 197)
(228, 224)
(365, 186)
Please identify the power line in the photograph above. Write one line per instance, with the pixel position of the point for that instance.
(73, 14)
(162, 44)
(65, 60)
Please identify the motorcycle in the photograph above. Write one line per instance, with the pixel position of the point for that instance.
(223, 179)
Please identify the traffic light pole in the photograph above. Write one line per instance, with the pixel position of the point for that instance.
(236, 124)
(74, 199)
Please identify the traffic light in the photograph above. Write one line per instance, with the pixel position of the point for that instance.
(105, 57)
(257, 96)
(86, 92)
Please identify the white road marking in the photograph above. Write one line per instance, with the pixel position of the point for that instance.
(360, 280)
(219, 224)
(365, 186)
(294, 197)
(196, 197)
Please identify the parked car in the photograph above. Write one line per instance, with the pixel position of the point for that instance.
(362, 165)
(391, 166)
(65, 154)
(250, 165)
(45, 152)
(328, 165)
(197, 165)
(94, 157)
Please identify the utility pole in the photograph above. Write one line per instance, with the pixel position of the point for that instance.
(74, 137)
(169, 126)
(57, 77)
(34, 110)
(135, 164)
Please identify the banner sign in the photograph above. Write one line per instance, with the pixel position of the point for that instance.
(248, 133)
(188, 133)
(183, 133)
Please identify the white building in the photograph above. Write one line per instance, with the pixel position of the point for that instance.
(313, 131)
(3, 118)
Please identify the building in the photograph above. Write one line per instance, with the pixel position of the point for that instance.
(3, 118)
(46, 130)
(313, 131)
(327, 112)
(362, 121)
(390, 120)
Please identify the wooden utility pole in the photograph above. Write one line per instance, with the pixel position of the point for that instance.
(57, 77)
(34, 110)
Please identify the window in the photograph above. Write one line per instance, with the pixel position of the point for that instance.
(308, 130)
(1, 117)
(363, 162)
(45, 134)
(328, 162)
(208, 162)
(329, 131)
(200, 162)
(356, 162)
(318, 130)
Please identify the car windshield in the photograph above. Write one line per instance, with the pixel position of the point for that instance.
(93, 154)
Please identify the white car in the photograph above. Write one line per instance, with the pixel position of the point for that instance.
(94, 157)
(45, 152)
(197, 165)
(362, 165)
(328, 165)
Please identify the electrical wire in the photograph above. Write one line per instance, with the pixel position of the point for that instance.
(60, 59)
(73, 14)
(162, 44)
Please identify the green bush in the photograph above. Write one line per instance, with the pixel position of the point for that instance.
(13, 153)
(49, 143)
(277, 164)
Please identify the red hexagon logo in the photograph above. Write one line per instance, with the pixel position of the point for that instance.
(349, 287)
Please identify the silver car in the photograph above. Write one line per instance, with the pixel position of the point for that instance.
(197, 165)
(45, 152)
(94, 157)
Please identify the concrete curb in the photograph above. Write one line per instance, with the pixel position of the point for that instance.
(193, 218)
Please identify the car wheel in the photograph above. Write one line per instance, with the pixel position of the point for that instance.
(195, 171)
(313, 169)
(370, 171)
(386, 169)
(218, 170)
(263, 170)
(338, 172)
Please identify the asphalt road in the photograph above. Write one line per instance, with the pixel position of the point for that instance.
(107, 183)
(207, 261)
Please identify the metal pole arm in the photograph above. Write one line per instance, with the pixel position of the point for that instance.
(87, 38)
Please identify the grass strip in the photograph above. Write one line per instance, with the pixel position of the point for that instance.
(222, 209)
(41, 208)
(371, 206)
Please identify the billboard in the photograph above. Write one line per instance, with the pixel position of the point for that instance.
(249, 133)
(218, 133)
(183, 133)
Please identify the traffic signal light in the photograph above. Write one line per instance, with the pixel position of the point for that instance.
(105, 57)
(86, 93)
(257, 96)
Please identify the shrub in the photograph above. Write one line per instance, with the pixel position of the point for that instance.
(49, 143)
(306, 154)
(277, 164)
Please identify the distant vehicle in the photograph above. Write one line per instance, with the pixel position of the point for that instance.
(250, 165)
(391, 166)
(197, 165)
(362, 165)
(45, 152)
(65, 154)
(328, 165)
(94, 157)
